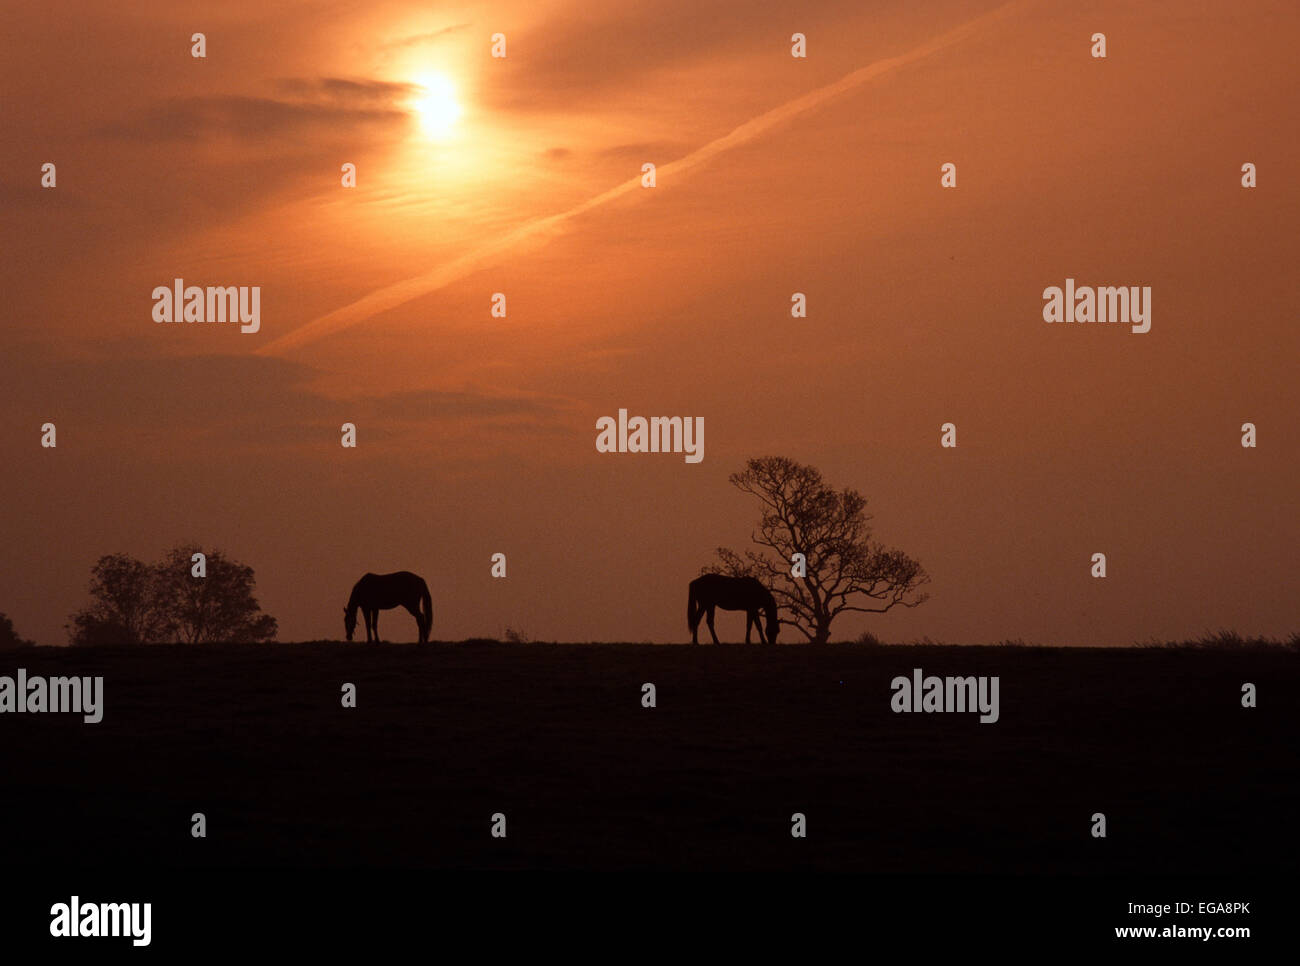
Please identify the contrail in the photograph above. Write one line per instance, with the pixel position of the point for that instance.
(391, 296)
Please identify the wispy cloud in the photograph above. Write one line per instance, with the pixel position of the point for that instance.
(416, 40)
(327, 103)
(538, 230)
(246, 399)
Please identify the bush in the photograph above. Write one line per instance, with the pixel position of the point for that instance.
(9, 637)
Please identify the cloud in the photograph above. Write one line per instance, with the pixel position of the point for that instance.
(423, 404)
(538, 230)
(30, 196)
(330, 104)
(119, 387)
(416, 40)
(346, 91)
(602, 52)
(641, 151)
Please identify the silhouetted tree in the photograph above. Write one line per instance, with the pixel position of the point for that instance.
(125, 608)
(9, 637)
(218, 606)
(138, 603)
(845, 569)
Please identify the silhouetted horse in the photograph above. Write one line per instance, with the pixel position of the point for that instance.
(731, 593)
(376, 592)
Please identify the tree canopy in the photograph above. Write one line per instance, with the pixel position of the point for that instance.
(180, 598)
(8, 636)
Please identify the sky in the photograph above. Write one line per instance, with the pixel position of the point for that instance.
(775, 175)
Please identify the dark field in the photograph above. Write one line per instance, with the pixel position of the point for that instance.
(555, 737)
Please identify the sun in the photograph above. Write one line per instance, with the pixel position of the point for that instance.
(436, 106)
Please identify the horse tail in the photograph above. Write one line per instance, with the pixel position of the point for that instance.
(693, 610)
(426, 613)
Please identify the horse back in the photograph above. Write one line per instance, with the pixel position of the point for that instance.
(389, 590)
(729, 593)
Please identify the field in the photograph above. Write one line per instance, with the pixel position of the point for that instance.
(555, 737)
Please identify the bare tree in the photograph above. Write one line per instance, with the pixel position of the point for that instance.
(842, 569)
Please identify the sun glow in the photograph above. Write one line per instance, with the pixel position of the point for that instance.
(436, 106)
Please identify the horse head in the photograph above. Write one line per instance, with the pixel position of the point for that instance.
(349, 622)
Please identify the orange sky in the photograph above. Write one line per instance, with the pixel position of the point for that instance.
(477, 434)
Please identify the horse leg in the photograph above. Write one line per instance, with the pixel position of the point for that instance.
(414, 610)
(375, 620)
(750, 618)
(712, 610)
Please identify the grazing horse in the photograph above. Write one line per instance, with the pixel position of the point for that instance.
(376, 592)
(731, 593)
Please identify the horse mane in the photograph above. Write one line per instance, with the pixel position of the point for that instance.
(353, 603)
